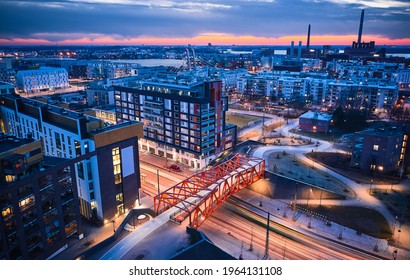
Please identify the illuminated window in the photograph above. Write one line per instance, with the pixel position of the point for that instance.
(375, 147)
(116, 162)
(27, 202)
(119, 197)
(7, 212)
(93, 204)
(10, 178)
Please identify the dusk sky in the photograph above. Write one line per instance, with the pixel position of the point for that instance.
(241, 22)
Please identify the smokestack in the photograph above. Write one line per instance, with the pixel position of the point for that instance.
(300, 50)
(308, 38)
(291, 49)
(359, 38)
(189, 59)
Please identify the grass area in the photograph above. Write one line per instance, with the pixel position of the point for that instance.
(286, 164)
(241, 120)
(398, 202)
(363, 220)
(341, 163)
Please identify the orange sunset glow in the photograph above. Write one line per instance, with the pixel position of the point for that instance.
(214, 38)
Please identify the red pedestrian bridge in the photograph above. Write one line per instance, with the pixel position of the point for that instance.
(198, 196)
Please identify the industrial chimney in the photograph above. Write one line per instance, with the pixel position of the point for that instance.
(291, 49)
(359, 38)
(300, 50)
(308, 39)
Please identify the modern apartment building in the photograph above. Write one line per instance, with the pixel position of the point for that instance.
(184, 122)
(7, 73)
(43, 79)
(107, 171)
(6, 88)
(361, 95)
(38, 201)
(379, 150)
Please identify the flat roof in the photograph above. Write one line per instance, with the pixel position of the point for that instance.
(388, 131)
(53, 161)
(317, 116)
(8, 142)
(113, 127)
(51, 108)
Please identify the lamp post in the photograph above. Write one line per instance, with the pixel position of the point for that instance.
(159, 191)
(113, 225)
(370, 188)
(307, 204)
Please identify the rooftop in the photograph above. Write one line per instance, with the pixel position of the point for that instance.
(53, 161)
(113, 127)
(316, 115)
(8, 142)
(383, 131)
(51, 108)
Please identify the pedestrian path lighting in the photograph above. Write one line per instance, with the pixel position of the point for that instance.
(370, 188)
(113, 225)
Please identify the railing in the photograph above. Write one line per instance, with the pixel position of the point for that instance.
(201, 194)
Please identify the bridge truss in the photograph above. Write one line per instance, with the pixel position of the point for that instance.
(201, 194)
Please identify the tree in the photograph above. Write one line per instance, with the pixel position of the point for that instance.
(355, 120)
(338, 118)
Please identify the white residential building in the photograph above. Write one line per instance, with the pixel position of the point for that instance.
(360, 95)
(43, 79)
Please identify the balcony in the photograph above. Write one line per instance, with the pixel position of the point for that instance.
(153, 113)
(71, 228)
(27, 202)
(29, 217)
(33, 241)
(47, 193)
(7, 212)
(10, 227)
(67, 196)
(153, 103)
(50, 216)
(14, 164)
(66, 183)
(69, 218)
(31, 228)
(36, 251)
(207, 113)
(48, 205)
(68, 206)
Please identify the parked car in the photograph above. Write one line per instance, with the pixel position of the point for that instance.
(175, 167)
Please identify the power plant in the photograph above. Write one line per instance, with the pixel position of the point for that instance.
(360, 48)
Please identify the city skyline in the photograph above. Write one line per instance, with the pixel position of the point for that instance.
(245, 22)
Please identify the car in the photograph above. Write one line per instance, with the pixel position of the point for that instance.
(175, 167)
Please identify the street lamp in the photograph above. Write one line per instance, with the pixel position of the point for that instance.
(310, 191)
(394, 225)
(159, 191)
(113, 225)
(370, 188)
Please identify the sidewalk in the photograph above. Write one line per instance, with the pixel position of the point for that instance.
(92, 236)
